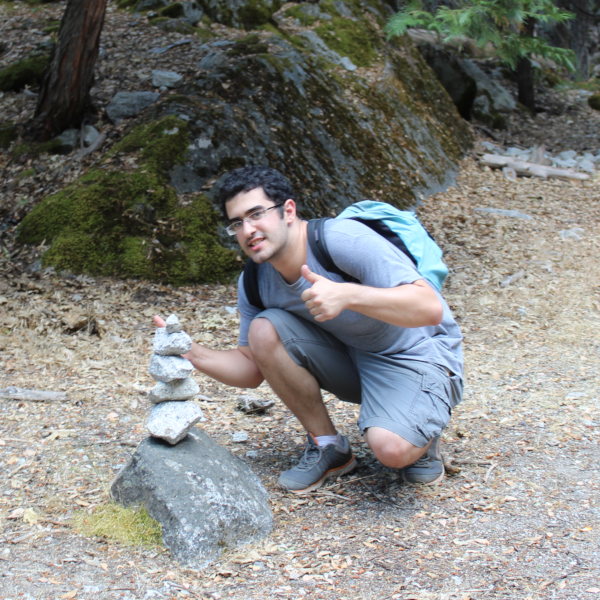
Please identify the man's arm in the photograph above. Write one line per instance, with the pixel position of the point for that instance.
(408, 305)
(234, 367)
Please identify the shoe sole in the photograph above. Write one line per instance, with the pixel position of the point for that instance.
(331, 474)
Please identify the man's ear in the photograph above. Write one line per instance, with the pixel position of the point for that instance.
(289, 210)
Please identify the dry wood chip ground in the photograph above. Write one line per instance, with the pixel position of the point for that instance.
(517, 518)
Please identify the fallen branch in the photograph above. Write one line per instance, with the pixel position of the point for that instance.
(528, 169)
(15, 393)
(91, 148)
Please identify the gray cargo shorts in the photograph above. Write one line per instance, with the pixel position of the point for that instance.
(410, 398)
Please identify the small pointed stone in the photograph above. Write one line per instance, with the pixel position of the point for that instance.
(172, 324)
(171, 421)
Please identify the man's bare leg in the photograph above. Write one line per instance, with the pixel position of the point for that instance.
(296, 386)
(391, 449)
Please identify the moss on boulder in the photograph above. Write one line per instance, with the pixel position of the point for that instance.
(353, 38)
(28, 71)
(594, 101)
(128, 221)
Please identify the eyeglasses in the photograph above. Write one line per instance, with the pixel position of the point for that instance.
(234, 226)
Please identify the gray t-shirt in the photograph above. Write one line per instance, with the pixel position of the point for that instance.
(373, 261)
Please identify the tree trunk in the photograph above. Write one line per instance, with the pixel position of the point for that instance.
(524, 72)
(64, 95)
(526, 88)
(578, 34)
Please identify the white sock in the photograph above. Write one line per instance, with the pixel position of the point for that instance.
(327, 440)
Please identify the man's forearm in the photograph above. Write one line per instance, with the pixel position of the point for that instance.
(231, 367)
(410, 305)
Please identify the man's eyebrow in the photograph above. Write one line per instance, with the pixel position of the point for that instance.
(248, 212)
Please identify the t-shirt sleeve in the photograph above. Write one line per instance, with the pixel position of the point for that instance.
(367, 256)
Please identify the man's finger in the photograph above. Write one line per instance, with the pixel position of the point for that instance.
(309, 275)
(158, 321)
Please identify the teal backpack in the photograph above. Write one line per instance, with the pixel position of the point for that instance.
(400, 227)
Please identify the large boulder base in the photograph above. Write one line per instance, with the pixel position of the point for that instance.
(206, 499)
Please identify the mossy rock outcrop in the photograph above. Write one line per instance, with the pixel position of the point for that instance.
(343, 120)
(128, 221)
(340, 136)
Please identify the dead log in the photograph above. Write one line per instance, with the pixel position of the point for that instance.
(15, 393)
(528, 169)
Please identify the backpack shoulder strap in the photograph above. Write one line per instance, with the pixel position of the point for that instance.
(251, 284)
(318, 245)
(384, 231)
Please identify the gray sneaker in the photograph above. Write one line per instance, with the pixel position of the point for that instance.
(429, 469)
(318, 464)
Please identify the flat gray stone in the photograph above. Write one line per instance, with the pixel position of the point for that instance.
(171, 344)
(168, 79)
(129, 104)
(168, 368)
(171, 421)
(179, 389)
(206, 499)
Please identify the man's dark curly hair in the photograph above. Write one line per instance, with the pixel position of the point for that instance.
(275, 185)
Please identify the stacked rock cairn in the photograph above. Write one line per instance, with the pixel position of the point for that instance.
(173, 412)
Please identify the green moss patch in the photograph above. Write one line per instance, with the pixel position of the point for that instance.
(254, 13)
(594, 101)
(160, 144)
(28, 71)
(127, 526)
(354, 39)
(127, 221)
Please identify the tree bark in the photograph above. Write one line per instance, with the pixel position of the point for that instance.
(64, 96)
(525, 86)
(524, 73)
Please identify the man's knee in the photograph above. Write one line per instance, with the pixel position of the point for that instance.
(263, 338)
(390, 449)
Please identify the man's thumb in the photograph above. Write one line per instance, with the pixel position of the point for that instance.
(309, 275)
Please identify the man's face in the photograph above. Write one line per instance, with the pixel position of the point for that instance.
(260, 238)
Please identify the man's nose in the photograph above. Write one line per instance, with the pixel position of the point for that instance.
(248, 226)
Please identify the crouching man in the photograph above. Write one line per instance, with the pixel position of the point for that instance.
(388, 342)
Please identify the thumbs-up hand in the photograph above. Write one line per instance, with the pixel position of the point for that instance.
(325, 299)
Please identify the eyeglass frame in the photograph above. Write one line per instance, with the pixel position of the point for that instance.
(235, 225)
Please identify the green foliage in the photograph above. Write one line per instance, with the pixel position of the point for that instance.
(127, 526)
(499, 24)
(28, 71)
